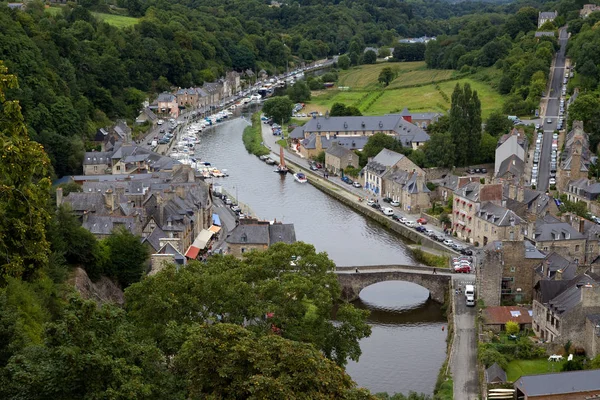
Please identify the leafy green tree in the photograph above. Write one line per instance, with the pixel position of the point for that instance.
(573, 365)
(487, 149)
(90, 353)
(279, 108)
(299, 92)
(465, 124)
(24, 190)
(386, 76)
(375, 144)
(439, 150)
(384, 52)
(127, 257)
(228, 361)
(511, 327)
(418, 157)
(343, 62)
(489, 356)
(497, 124)
(340, 110)
(370, 57)
(320, 158)
(292, 299)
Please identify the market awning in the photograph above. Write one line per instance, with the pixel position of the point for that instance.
(199, 244)
(216, 220)
(214, 229)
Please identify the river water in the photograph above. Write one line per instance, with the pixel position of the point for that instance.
(407, 346)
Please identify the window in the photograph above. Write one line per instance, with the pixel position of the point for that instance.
(512, 269)
(118, 167)
(557, 324)
(485, 228)
(95, 168)
(243, 249)
(576, 247)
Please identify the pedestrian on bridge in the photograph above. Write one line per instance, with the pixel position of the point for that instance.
(435, 271)
(357, 270)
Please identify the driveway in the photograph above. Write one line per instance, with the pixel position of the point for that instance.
(463, 359)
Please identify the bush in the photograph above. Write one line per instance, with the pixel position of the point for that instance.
(512, 328)
(430, 259)
(489, 356)
(252, 138)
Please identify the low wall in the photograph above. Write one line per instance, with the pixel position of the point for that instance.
(384, 220)
(431, 219)
(416, 268)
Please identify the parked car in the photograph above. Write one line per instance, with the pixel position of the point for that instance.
(387, 199)
(395, 203)
(403, 220)
(439, 238)
(387, 211)
(313, 167)
(396, 217)
(227, 201)
(448, 242)
(376, 206)
(411, 224)
(422, 221)
(356, 184)
(420, 228)
(484, 170)
(466, 252)
(370, 202)
(429, 232)
(463, 269)
(552, 181)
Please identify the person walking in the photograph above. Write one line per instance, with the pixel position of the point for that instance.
(434, 271)
(357, 270)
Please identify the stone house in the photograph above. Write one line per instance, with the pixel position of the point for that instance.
(214, 92)
(546, 16)
(338, 157)
(191, 97)
(511, 144)
(511, 170)
(468, 200)
(166, 105)
(97, 163)
(167, 254)
(101, 226)
(449, 184)
(124, 159)
(559, 386)
(377, 167)
(252, 234)
(496, 317)
(506, 274)
(422, 120)
(407, 187)
(316, 129)
(583, 189)
(575, 158)
(591, 341)
(560, 308)
(553, 235)
(588, 9)
(233, 83)
(315, 144)
(493, 222)
(146, 115)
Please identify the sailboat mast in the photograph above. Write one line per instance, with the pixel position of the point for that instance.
(281, 159)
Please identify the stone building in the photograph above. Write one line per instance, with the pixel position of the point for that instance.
(560, 308)
(252, 234)
(166, 105)
(125, 159)
(570, 385)
(494, 222)
(553, 235)
(588, 9)
(591, 341)
(385, 160)
(506, 274)
(422, 120)
(575, 158)
(338, 158)
(514, 143)
(407, 187)
(583, 189)
(496, 317)
(546, 16)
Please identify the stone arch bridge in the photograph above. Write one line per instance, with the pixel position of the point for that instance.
(352, 282)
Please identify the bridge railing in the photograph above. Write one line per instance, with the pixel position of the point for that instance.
(414, 268)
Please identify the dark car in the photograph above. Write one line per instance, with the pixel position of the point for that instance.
(387, 199)
(466, 252)
(483, 170)
(349, 181)
(439, 238)
(420, 228)
(376, 206)
(470, 171)
(396, 217)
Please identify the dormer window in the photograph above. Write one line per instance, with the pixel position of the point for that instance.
(362, 124)
(345, 125)
(244, 238)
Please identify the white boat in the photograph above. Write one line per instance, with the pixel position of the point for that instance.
(300, 177)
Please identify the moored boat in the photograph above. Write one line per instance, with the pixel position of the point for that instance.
(281, 168)
(300, 177)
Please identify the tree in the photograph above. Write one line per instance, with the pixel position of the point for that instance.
(340, 110)
(228, 361)
(24, 190)
(370, 57)
(279, 108)
(511, 327)
(299, 92)
(127, 255)
(343, 61)
(487, 149)
(264, 290)
(92, 352)
(439, 150)
(497, 124)
(376, 143)
(465, 124)
(386, 76)
(384, 52)
(505, 85)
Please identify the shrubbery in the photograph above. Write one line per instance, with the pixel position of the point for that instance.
(252, 138)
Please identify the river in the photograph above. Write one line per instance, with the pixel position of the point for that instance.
(407, 346)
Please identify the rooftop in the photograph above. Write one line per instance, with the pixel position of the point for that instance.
(559, 383)
(500, 315)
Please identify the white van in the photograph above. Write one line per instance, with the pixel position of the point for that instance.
(387, 211)
(470, 301)
(469, 291)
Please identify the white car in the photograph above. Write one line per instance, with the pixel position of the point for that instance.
(552, 181)
(403, 220)
(370, 202)
(448, 242)
(395, 203)
(411, 224)
(534, 181)
(387, 211)
(555, 136)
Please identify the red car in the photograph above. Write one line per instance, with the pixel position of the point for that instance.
(422, 221)
(463, 268)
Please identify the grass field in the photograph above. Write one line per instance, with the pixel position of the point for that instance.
(416, 87)
(518, 368)
(120, 21)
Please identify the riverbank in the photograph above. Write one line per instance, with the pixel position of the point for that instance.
(253, 139)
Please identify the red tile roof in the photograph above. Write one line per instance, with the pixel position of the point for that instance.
(500, 315)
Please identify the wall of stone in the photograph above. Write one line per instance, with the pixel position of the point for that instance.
(436, 173)
(591, 342)
(489, 278)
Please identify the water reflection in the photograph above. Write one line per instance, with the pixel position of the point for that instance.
(407, 345)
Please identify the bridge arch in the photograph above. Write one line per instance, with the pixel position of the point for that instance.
(352, 283)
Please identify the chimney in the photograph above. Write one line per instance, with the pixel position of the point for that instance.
(520, 193)
(109, 199)
(59, 196)
(581, 225)
(85, 216)
(512, 192)
(590, 295)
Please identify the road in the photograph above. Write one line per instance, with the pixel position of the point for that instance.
(551, 111)
(463, 357)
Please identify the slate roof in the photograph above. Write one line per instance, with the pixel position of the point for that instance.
(408, 179)
(106, 224)
(337, 150)
(383, 161)
(282, 233)
(97, 157)
(550, 231)
(498, 215)
(82, 201)
(349, 142)
(559, 383)
(477, 192)
(122, 129)
(166, 98)
(548, 14)
(512, 164)
(169, 249)
(495, 374)
(531, 251)
(570, 295)
(153, 239)
(131, 153)
(450, 182)
(541, 34)
(406, 131)
(249, 234)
